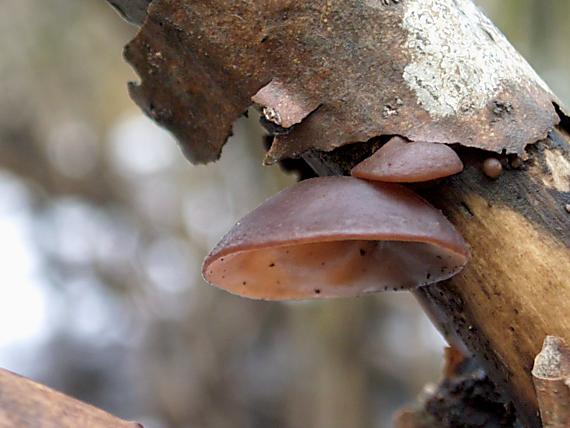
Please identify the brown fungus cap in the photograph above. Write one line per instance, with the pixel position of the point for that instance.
(492, 168)
(399, 161)
(336, 237)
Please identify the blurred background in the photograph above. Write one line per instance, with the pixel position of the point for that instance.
(103, 226)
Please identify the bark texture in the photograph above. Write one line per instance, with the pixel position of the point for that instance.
(466, 398)
(26, 404)
(516, 288)
(334, 73)
(551, 373)
(341, 72)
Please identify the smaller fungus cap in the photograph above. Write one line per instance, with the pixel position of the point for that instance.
(399, 161)
(336, 237)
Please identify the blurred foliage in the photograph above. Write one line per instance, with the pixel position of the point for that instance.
(104, 226)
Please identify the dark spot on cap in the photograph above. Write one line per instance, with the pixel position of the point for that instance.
(317, 291)
(272, 265)
(362, 252)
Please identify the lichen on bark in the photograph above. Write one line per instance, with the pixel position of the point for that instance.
(338, 73)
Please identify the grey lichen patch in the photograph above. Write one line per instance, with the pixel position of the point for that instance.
(336, 73)
(460, 61)
(549, 362)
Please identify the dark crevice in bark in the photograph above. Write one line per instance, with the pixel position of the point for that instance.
(469, 399)
(297, 166)
(564, 118)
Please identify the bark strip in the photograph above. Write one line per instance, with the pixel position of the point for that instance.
(428, 70)
(551, 373)
(26, 404)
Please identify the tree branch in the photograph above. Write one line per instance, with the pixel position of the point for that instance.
(361, 71)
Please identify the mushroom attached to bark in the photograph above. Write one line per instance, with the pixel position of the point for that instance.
(399, 161)
(336, 237)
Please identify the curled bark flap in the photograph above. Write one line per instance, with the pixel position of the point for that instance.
(429, 70)
(551, 374)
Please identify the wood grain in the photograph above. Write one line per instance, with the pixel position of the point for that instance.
(516, 288)
(27, 404)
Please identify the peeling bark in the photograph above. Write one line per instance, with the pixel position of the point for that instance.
(434, 71)
(26, 404)
(368, 67)
(551, 373)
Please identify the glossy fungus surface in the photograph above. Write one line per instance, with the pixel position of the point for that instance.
(334, 237)
(492, 168)
(399, 161)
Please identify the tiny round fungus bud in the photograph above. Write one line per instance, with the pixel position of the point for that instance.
(517, 162)
(399, 161)
(373, 236)
(492, 168)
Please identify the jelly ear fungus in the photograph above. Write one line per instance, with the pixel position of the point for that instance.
(336, 237)
(400, 161)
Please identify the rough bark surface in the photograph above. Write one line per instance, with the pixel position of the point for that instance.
(516, 288)
(366, 69)
(551, 373)
(333, 73)
(26, 404)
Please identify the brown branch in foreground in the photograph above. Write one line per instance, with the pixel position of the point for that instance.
(26, 404)
(551, 374)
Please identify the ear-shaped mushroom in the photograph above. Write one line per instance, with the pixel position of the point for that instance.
(333, 237)
(399, 161)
